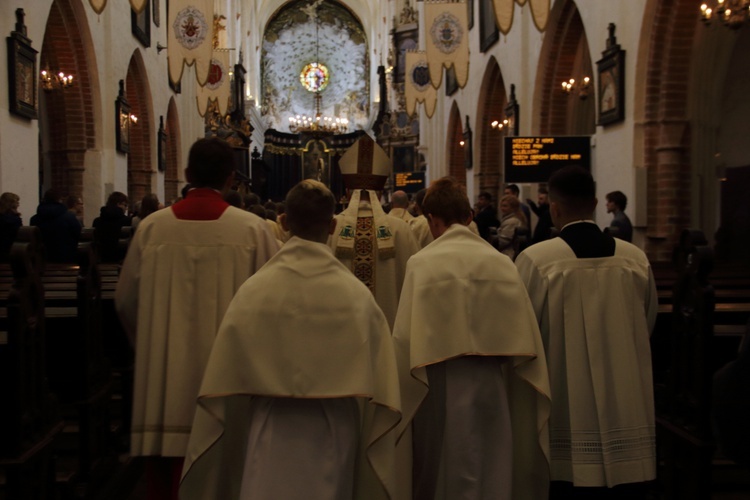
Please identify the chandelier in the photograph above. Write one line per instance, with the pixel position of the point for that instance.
(314, 78)
(50, 80)
(734, 13)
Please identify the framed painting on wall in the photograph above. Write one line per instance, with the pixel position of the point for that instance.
(488, 32)
(611, 86)
(122, 121)
(140, 25)
(22, 74)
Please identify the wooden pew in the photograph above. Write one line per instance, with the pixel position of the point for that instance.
(79, 373)
(698, 331)
(29, 421)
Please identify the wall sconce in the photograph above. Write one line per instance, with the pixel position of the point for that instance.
(133, 119)
(51, 81)
(499, 125)
(461, 143)
(581, 89)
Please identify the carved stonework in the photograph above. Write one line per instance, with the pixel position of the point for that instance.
(408, 15)
(236, 133)
(218, 28)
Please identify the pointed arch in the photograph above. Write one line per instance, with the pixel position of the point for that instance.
(67, 118)
(491, 106)
(455, 150)
(137, 92)
(565, 54)
(172, 173)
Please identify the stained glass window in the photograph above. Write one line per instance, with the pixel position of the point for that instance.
(314, 77)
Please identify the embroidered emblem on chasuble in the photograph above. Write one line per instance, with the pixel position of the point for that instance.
(446, 32)
(363, 264)
(190, 27)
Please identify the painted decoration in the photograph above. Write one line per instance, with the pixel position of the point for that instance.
(447, 43)
(190, 35)
(418, 85)
(217, 87)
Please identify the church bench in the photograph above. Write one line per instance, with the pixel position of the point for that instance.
(29, 421)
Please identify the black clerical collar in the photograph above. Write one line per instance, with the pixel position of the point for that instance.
(587, 241)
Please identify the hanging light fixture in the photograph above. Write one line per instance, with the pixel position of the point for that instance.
(50, 80)
(733, 13)
(314, 78)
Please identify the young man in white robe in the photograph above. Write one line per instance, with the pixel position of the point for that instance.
(300, 399)
(183, 267)
(372, 244)
(595, 300)
(473, 376)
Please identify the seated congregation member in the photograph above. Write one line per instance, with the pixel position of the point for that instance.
(59, 227)
(372, 244)
(149, 204)
(595, 300)
(512, 218)
(10, 221)
(300, 397)
(182, 269)
(474, 384)
(108, 227)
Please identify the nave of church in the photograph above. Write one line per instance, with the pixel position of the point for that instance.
(652, 96)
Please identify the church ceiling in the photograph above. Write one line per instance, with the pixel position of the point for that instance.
(289, 44)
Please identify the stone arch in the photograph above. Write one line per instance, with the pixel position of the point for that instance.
(172, 173)
(565, 54)
(140, 159)
(491, 107)
(67, 117)
(455, 151)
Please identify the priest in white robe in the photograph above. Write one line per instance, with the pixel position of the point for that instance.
(372, 244)
(183, 267)
(300, 398)
(595, 300)
(419, 225)
(473, 375)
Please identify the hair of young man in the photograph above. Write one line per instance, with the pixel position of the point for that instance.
(446, 199)
(486, 195)
(619, 199)
(513, 188)
(116, 198)
(309, 210)
(51, 196)
(234, 198)
(210, 163)
(400, 200)
(251, 199)
(258, 210)
(419, 197)
(574, 190)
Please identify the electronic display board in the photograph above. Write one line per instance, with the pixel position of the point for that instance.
(534, 159)
(409, 182)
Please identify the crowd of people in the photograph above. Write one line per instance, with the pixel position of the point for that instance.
(286, 351)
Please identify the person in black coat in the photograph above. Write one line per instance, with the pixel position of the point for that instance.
(486, 216)
(59, 227)
(108, 228)
(543, 228)
(10, 221)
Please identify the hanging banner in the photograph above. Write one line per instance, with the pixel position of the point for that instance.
(217, 86)
(539, 12)
(418, 87)
(190, 38)
(98, 5)
(447, 37)
(138, 5)
(504, 14)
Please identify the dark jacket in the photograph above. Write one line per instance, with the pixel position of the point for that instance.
(60, 231)
(9, 224)
(107, 230)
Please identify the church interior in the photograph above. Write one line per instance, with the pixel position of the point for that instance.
(653, 96)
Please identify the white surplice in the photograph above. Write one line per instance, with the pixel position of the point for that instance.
(301, 340)
(176, 283)
(421, 229)
(596, 316)
(464, 302)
